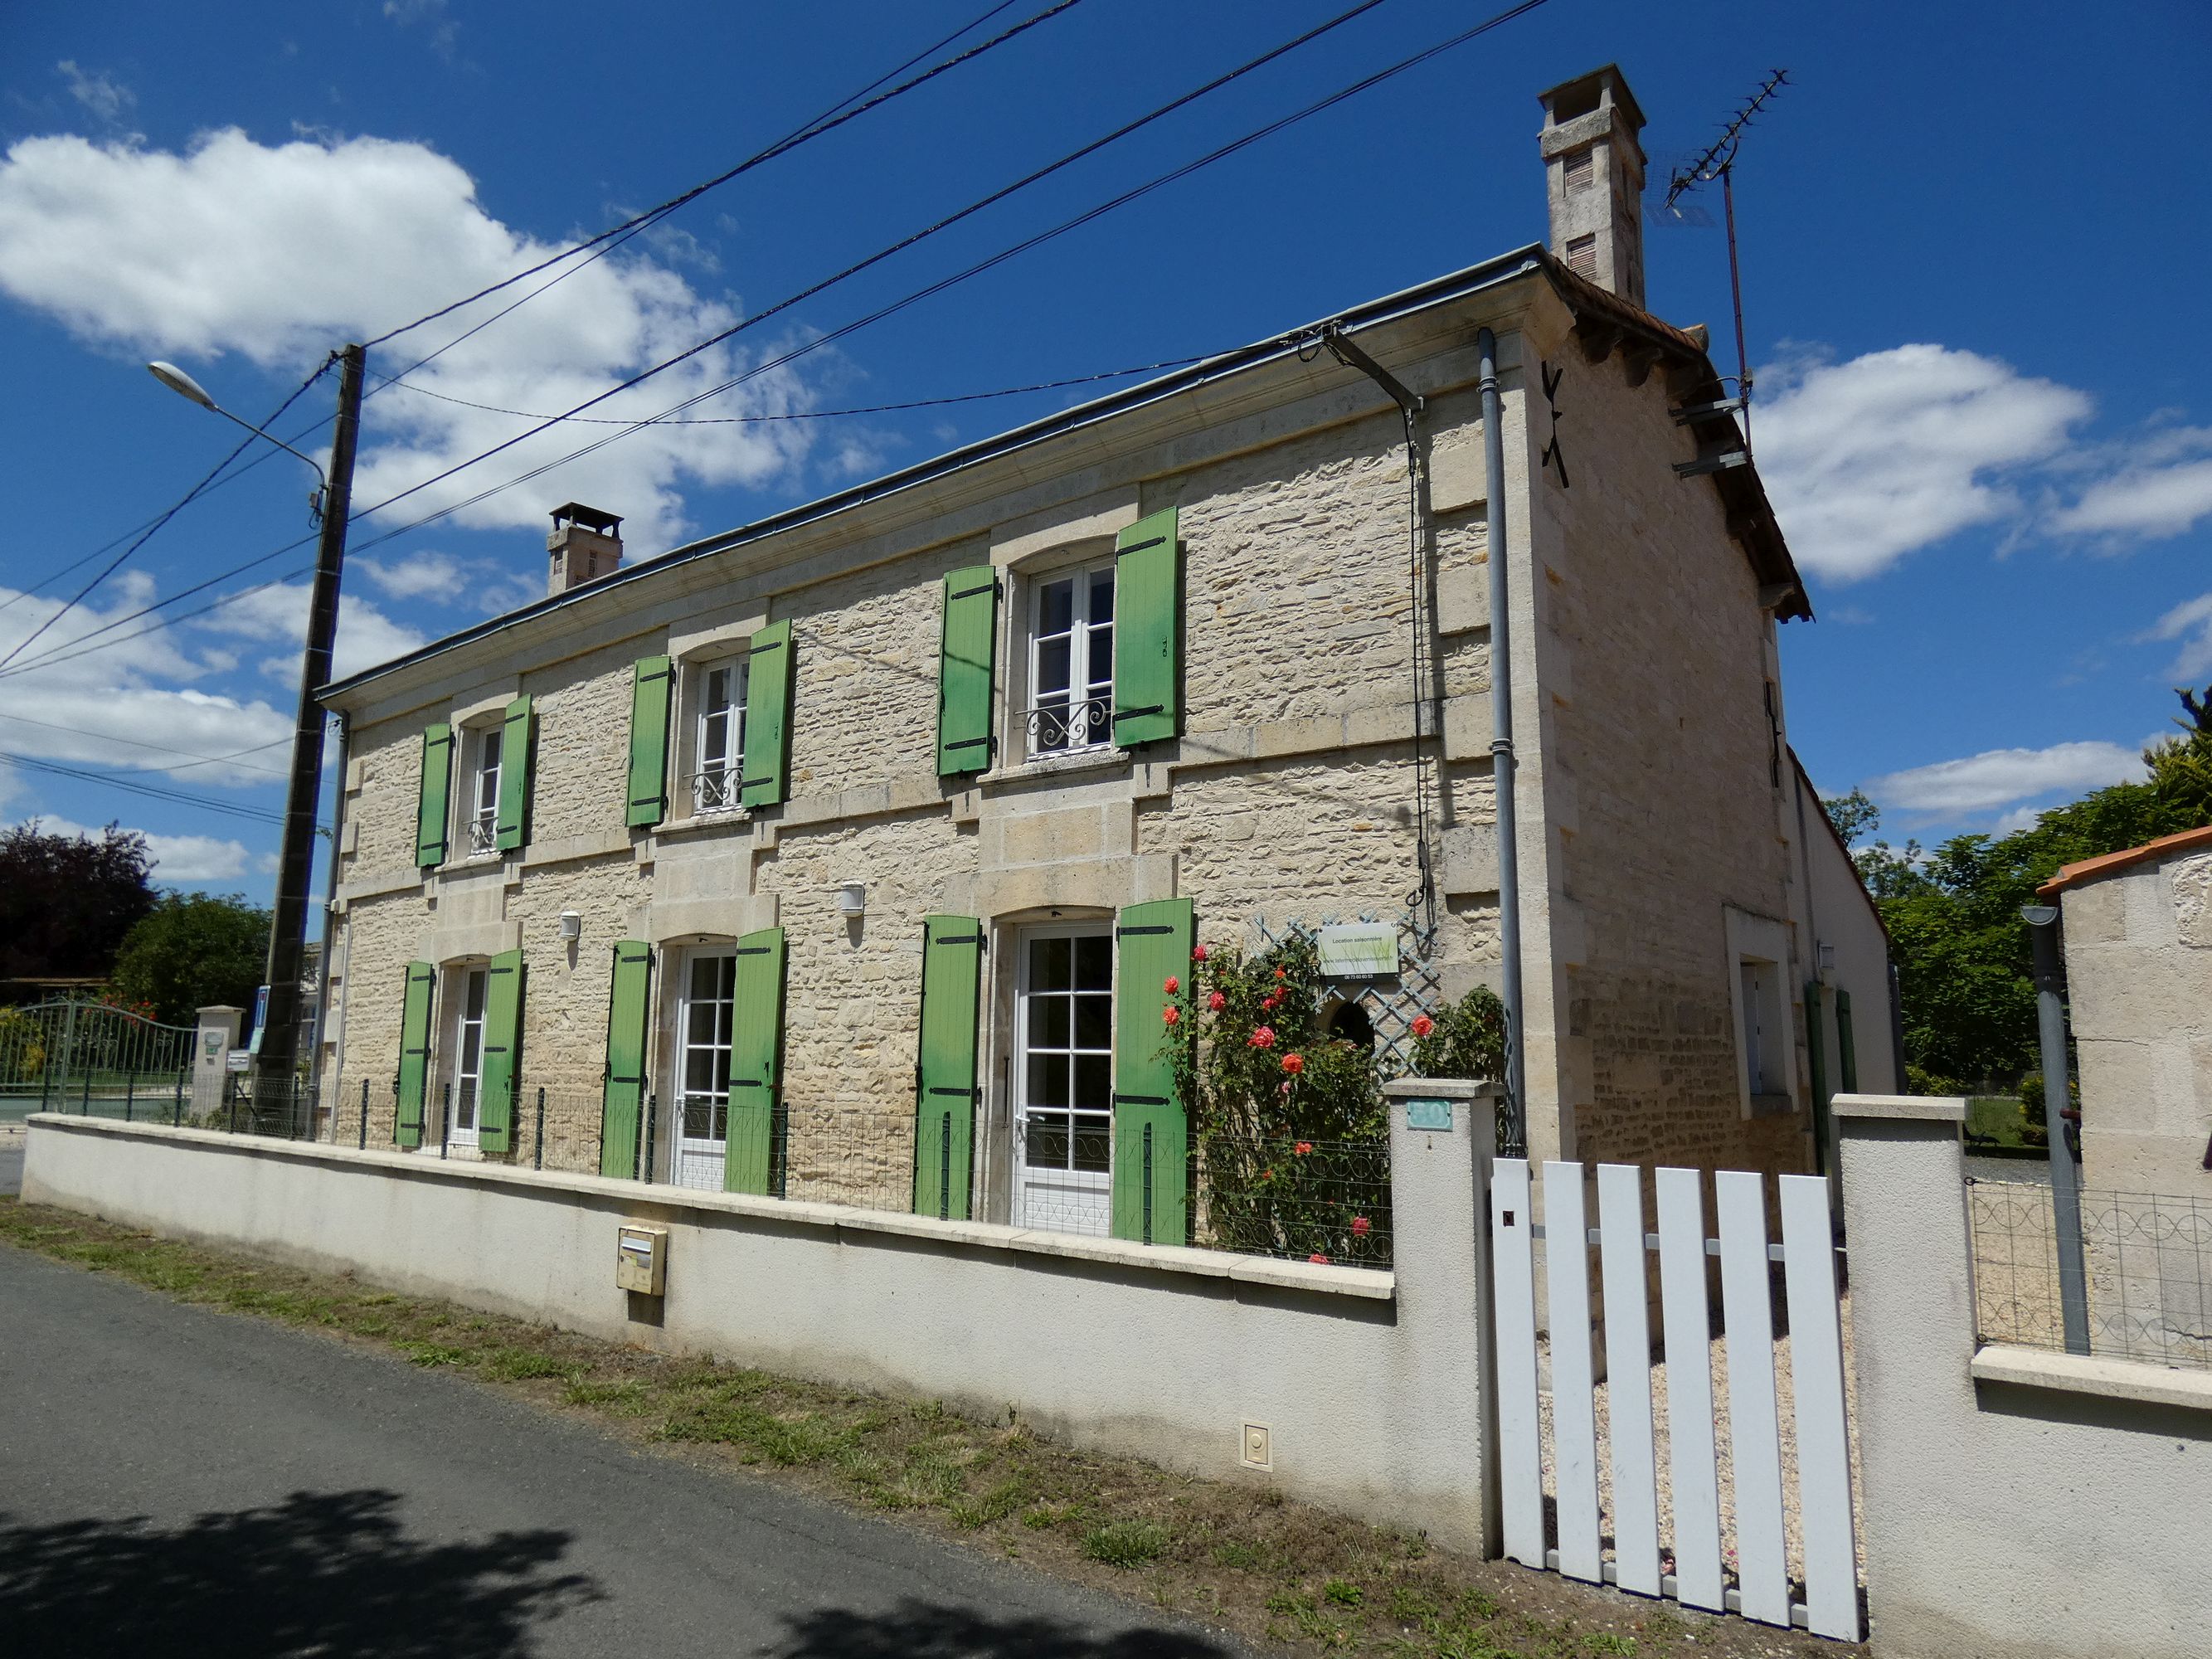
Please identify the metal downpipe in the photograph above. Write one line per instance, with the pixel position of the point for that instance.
(1501, 745)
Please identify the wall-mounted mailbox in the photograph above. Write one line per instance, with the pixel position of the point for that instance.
(642, 1259)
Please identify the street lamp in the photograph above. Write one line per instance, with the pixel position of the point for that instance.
(275, 1078)
(184, 386)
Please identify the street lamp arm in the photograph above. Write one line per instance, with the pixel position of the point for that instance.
(186, 387)
(234, 420)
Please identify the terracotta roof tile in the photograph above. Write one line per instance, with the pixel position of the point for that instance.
(2073, 875)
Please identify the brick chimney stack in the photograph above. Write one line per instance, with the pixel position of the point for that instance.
(585, 546)
(1594, 177)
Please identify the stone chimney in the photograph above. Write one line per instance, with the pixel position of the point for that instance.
(1594, 177)
(585, 546)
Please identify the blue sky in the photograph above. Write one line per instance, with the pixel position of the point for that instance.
(1974, 239)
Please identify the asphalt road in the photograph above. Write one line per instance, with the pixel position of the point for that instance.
(176, 1481)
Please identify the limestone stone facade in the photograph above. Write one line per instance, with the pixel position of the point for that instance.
(1655, 795)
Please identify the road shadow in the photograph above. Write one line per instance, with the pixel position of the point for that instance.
(320, 1573)
(927, 1630)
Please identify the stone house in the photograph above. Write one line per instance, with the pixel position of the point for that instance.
(2137, 927)
(879, 823)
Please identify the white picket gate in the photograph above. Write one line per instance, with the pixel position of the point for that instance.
(1828, 1567)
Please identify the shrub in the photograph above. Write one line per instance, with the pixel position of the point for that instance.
(1467, 1039)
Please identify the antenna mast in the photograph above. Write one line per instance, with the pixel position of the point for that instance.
(1719, 162)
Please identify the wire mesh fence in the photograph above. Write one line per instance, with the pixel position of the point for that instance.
(2146, 1259)
(1298, 1199)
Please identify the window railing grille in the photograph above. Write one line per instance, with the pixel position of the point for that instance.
(1060, 726)
(484, 836)
(715, 790)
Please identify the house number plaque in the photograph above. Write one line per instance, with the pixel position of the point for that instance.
(1428, 1114)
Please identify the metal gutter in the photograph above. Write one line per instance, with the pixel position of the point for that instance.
(1438, 291)
(1502, 770)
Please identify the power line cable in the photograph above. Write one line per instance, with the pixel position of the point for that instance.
(1351, 90)
(117, 563)
(835, 116)
(207, 803)
(164, 748)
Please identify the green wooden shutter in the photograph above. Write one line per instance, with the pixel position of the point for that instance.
(1152, 942)
(414, 1054)
(503, 1053)
(767, 718)
(755, 1063)
(963, 671)
(518, 759)
(1847, 1059)
(650, 681)
(431, 813)
(1815, 1058)
(622, 1109)
(1147, 631)
(944, 1078)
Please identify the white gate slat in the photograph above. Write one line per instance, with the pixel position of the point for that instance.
(1628, 1371)
(1755, 1430)
(1574, 1406)
(1686, 1323)
(1520, 1469)
(1816, 1368)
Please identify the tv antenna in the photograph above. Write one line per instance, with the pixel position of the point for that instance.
(1718, 161)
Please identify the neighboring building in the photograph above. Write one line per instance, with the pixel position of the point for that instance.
(877, 824)
(2137, 927)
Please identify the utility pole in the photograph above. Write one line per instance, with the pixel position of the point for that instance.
(276, 1074)
(2042, 922)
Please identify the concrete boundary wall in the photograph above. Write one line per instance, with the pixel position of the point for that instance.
(2016, 1502)
(1367, 1382)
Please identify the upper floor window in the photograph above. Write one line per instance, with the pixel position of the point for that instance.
(483, 762)
(1072, 661)
(718, 744)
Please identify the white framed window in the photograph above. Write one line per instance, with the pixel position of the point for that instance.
(718, 733)
(1064, 1079)
(466, 987)
(480, 805)
(1070, 660)
(704, 1013)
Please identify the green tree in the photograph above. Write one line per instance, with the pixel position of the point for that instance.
(195, 950)
(67, 901)
(1964, 962)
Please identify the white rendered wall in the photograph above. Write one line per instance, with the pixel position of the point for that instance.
(2015, 1503)
(1367, 1382)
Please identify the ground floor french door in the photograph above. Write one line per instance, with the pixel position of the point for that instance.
(1063, 1071)
(702, 1062)
(467, 989)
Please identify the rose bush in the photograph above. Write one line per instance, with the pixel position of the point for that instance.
(1287, 1121)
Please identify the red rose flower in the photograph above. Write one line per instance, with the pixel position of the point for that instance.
(1262, 1038)
(1217, 1002)
(1173, 985)
(1302, 1148)
(1198, 953)
(1171, 1016)
(1279, 973)
(1423, 1025)
(1318, 1259)
(1294, 1064)
(1361, 1226)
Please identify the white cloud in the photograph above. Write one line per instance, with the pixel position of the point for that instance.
(102, 95)
(136, 708)
(175, 858)
(366, 635)
(274, 251)
(1868, 460)
(485, 584)
(2001, 777)
(2149, 502)
(2191, 622)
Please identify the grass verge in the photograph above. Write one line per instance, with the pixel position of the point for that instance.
(1238, 1556)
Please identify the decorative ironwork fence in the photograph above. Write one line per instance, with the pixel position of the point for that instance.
(87, 1054)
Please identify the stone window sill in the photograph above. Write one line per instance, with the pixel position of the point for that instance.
(2136, 1380)
(1054, 766)
(737, 817)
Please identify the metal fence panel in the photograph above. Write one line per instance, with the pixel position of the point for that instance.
(1628, 1367)
(1574, 1406)
(1816, 1368)
(1520, 1470)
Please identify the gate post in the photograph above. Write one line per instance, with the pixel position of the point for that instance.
(1443, 1142)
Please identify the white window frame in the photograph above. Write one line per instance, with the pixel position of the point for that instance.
(711, 791)
(1087, 1194)
(697, 1160)
(1764, 1036)
(477, 834)
(1070, 724)
(460, 1093)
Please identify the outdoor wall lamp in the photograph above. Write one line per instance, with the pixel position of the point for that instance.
(853, 898)
(572, 926)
